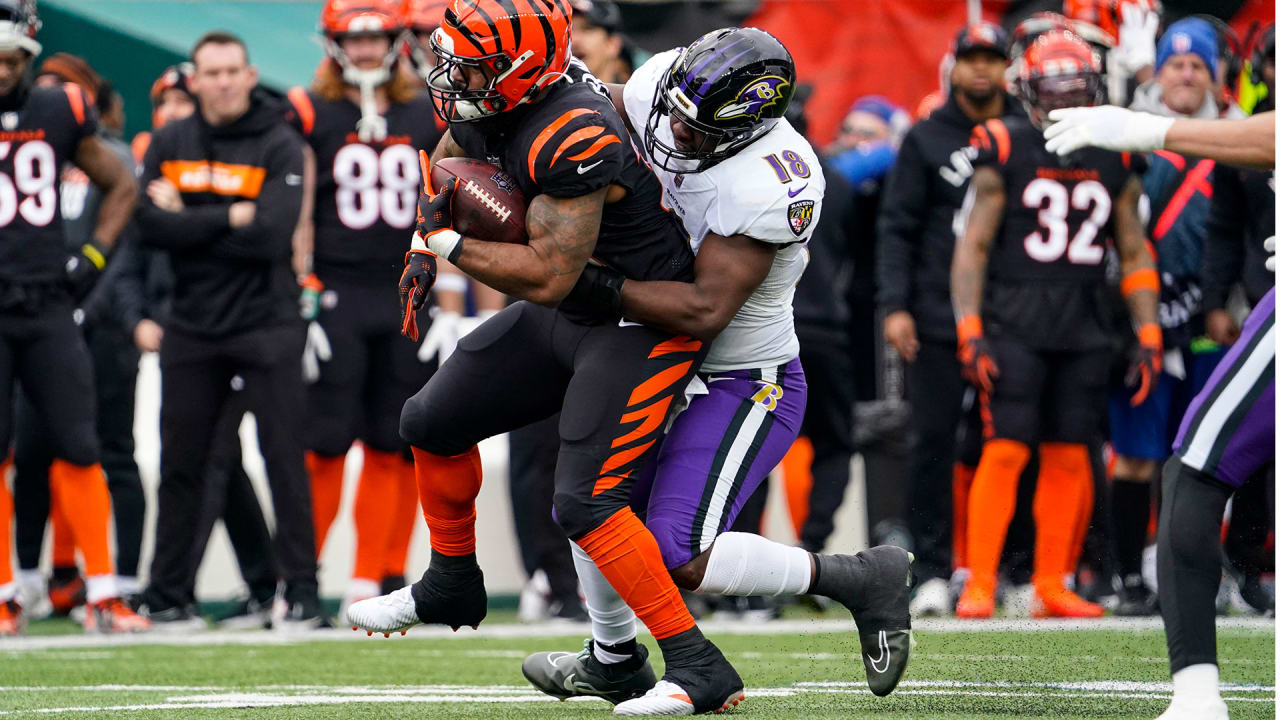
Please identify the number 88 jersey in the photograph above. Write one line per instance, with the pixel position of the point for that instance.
(36, 140)
(366, 195)
(1057, 217)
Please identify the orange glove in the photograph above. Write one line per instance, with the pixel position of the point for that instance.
(975, 354)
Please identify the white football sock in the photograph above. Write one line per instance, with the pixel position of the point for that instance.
(100, 587)
(1196, 682)
(612, 621)
(746, 564)
(128, 584)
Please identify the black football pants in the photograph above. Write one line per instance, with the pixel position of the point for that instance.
(196, 390)
(614, 386)
(828, 423)
(115, 370)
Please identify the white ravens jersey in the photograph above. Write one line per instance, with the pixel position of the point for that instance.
(771, 191)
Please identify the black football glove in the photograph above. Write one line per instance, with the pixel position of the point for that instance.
(597, 296)
(83, 269)
(415, 283)
(1145, 363)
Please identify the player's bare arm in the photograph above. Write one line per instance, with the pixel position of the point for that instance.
(969, 264)
(562, 235)
(1135, 257)
(119, 191)
(728, 270)
(1249, 143)
(446, 148)
(304, 235)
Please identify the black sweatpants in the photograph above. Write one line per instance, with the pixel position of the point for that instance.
(613, 383)
(229, 495)
(115, 370)
(828, 423)
(196, 390)
(936, 391)
(532, 472)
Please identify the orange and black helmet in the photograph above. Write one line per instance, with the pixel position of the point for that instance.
(1059, 70)
(1106, 15)
(347, 18)
(521, 47)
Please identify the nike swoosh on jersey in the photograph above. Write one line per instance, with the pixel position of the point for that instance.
(791, 193)
(628, 323)
(583, 169)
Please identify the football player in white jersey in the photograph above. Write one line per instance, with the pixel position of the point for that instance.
(748, 189)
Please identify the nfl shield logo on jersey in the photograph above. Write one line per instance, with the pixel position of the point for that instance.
(800, 213)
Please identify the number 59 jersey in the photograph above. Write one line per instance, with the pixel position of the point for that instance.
(771, 191)
(36, 140)
(366, 195)
(1047, 264)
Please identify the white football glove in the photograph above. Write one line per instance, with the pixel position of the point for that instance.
(1107, 127)
(316, 351)
(441, 339)
(1270, 246)
(1136, 48)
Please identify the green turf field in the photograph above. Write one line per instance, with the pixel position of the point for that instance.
(798, 669)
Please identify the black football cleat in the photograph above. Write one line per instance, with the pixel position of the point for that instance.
(564, 675)
(878, 595)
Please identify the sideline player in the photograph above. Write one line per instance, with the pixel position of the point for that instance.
(1042, 222)
(749, 189)
(42, 130)
(365, 120)
(501, 83)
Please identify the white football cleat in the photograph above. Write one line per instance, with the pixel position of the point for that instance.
(1210, 709)
(932, 598)
(358, 589)
(386, 613)
(668, 699)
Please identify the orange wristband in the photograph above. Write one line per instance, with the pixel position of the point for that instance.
(1149, 335)
(1139, 280)
(968, 328)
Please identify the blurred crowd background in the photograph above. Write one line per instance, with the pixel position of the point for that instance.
(869, 70)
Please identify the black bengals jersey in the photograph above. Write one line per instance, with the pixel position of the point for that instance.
(36, 141)
(366, 195)
(571, 143)
(1047, 268)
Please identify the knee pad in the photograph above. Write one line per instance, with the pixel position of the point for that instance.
(80, 448)
(573, 515)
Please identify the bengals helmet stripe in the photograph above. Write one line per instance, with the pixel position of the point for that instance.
(545, 136)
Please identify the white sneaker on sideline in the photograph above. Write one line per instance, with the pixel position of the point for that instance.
(933, 598)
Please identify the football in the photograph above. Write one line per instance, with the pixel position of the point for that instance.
(487, 204)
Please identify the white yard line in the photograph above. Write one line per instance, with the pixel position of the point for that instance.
(560, 629)
(196, 697)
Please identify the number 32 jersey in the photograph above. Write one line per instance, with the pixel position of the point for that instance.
(1048, 262)
(366, 196)
(36, 140)
(771, 191)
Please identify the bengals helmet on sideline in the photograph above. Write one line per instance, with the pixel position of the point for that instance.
(1106, 15)
(19, 24)
(521, 46)
(1059, 70)
(346, 18)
